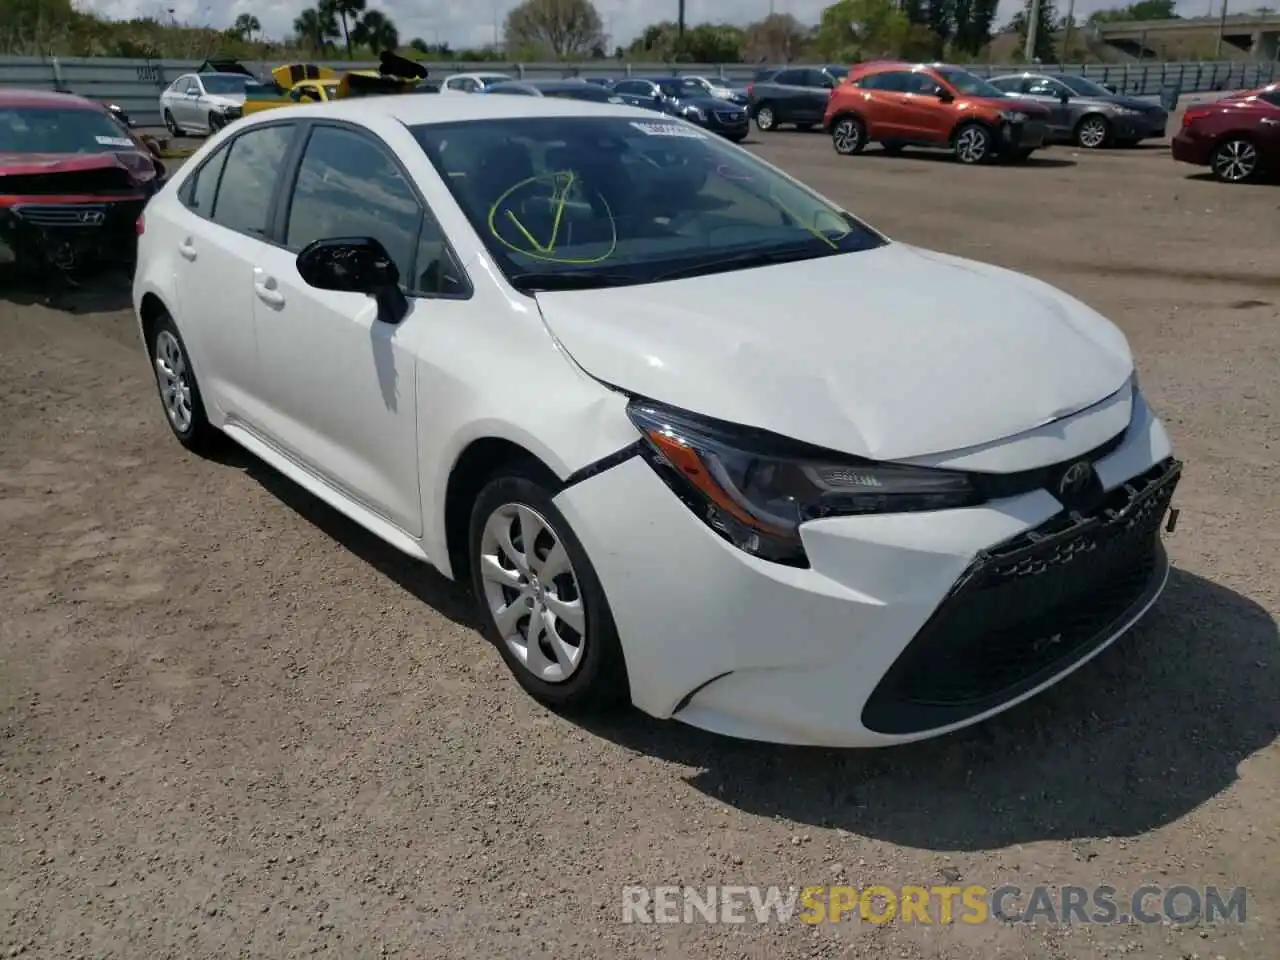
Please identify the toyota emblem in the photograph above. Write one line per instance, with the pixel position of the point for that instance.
(1075, 479)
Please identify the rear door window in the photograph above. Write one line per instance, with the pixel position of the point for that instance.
(790, 78)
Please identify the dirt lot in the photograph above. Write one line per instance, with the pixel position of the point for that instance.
(232, 724)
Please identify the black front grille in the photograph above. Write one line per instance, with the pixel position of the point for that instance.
(731, 116)
(63, 215)
(1029, 608)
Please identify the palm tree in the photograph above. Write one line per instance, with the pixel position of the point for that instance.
(376, 31)
(316, 27)
(246, 26)
(419, 45)
(348, 11)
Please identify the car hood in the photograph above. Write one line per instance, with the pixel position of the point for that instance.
(138, 163)
(890, 353)
(703, 103)
(225, 99)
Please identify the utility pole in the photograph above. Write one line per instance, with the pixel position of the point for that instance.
(680, 21)
(1071, 22)
(1222, 28)
(1033, 22)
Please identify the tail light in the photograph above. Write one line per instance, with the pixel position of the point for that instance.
(140, 225)
(1193, 114)
(751, 88)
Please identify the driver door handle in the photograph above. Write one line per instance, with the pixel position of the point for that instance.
(265, 288)
(187, 249)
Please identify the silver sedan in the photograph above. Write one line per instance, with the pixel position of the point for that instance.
(1086, 113)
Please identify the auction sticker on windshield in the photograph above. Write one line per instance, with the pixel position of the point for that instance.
(114, 141)
(668, 130)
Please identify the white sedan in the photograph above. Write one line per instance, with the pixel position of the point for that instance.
(701, 440)
(473, 82)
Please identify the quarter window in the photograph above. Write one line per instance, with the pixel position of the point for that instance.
(249, 178)
(199, 192)
(348, 187)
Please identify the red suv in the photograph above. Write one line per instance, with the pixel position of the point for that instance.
(932, 105)
(1238, 137)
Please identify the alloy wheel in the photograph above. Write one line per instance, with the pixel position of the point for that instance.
(533, 592)
(170, 124)
(175, 383)
(1235, 161)
(847, 136)
(764, 119)
(1093, 133)
(971, 145)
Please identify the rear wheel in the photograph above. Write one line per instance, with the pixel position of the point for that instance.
(765, 118)
(972, 144)
(541, 601)
(171, 124)
(179, 391)
(1093, 132)
(1235, 160)
(848, 136)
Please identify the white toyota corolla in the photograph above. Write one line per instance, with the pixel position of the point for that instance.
(701, 439)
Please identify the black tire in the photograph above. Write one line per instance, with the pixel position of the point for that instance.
(216, 122)
(1092, 132)
(599, 681)
(171, 124)
(197, 434)
(973, 144)
(1235, 160)
(766, 119)
(893, 147)
(848, 136)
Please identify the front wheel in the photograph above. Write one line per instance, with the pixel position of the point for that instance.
(973, 144)
(765, 118)
(1093, 132)
(1235, 160)
(171, 124)
(541, 602)
(216, 122)
(848, 136)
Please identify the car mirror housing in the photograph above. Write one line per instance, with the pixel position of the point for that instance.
(355, 265)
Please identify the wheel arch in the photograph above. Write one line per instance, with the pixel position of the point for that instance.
(150, 309)
(849, 113)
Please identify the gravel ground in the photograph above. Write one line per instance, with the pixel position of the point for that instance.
(232, 724)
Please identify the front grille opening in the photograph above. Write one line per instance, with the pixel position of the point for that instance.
(1028, 609)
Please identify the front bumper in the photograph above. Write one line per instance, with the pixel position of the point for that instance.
(1028, 135)
(66, 236)
(1146, 126)
(731, 122)
(904, 627)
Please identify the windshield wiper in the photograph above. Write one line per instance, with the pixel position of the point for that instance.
(576, 280)
(745, 261)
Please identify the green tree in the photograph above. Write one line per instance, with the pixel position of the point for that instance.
(778, 38)
(705, 43)
(561, 28)
(315, 28)
(1142, 10)
(852, 30)
(973, 20)
(376, 31)
(1044, 49)
(418, 45)
(347, 12)
(246, 26)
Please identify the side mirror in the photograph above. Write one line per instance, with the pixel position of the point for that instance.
(945, 96)
(1111, 87)
(355, 265)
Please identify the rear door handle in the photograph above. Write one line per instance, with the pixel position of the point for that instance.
(187, 249)
(266, 289)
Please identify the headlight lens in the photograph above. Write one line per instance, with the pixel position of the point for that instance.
(755, 489)
(1013, 116)
(694, 113)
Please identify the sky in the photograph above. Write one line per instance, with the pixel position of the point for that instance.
(470, 23)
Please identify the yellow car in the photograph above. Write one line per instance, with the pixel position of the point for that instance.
(310, 83)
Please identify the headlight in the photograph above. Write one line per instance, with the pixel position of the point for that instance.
(756, 488)
(1013, 116)
(694, 113)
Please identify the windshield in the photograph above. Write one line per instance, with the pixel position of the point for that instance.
(627, 201)
(682, 87)
(60, 130)
(969, 84)
(213, 83)
(1084, 87)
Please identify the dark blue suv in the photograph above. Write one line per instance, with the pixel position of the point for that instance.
(681, 97)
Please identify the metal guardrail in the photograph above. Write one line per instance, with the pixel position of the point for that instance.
(136, 84)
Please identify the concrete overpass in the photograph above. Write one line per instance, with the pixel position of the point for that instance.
(1257, 35)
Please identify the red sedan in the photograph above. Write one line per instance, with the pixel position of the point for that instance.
(73, 180)
(1238, 137)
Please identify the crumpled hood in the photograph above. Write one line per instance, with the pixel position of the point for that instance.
(890, 353)
(140, 165)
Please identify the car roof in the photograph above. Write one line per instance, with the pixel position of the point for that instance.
(414, 111)
(44, 98)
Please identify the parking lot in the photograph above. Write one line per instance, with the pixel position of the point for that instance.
(234, 724)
